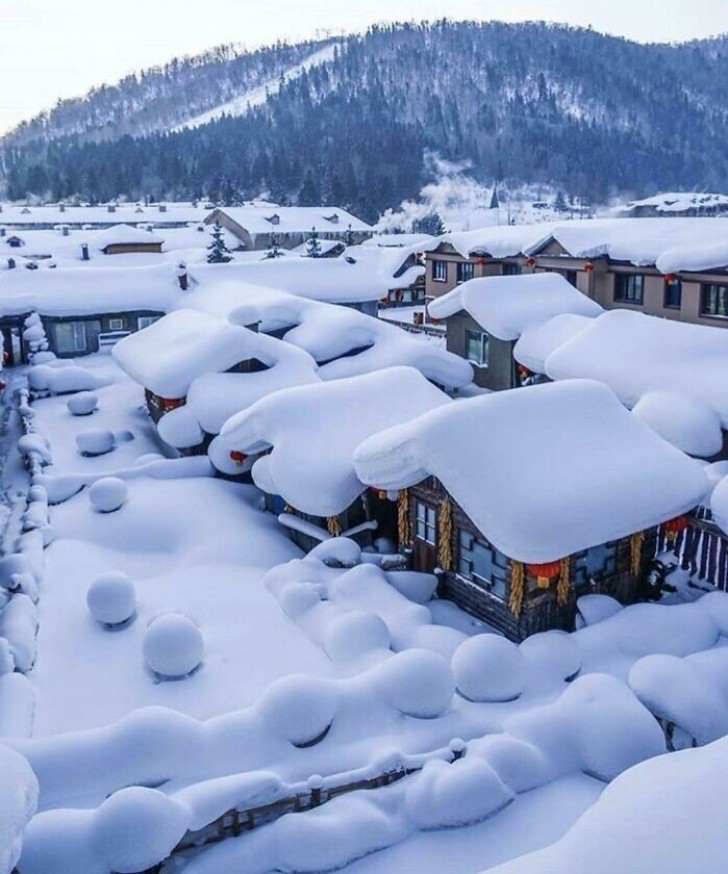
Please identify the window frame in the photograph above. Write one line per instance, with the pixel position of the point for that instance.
(671, 285)
(465, 267)
(497, 585)
(483, 361)
(117, 324)
(149, 320)
(721, 290)
(625, 288)
(439, 266)
(426, 523)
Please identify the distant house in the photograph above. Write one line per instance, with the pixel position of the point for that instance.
(257, 226)
(521, 514)
(124, 239)
(14, 241)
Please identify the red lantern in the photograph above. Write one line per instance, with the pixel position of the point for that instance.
(544, 573)
(530, 262)
(670, 277)
(238, 457)
(589, 267)
(673, 528)
(379, 493)
(523, 371)
(481, 261)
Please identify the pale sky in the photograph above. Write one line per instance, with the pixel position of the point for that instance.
(50, 49)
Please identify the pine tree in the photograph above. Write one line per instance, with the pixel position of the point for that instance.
(218, 252)
(560, 204)
(430, 224)
(313, 246)
(275, 249)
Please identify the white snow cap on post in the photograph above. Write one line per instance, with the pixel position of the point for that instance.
(313, 431)
(543, 472)
(505, 306)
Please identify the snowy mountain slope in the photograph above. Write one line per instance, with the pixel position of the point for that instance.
(255, 97)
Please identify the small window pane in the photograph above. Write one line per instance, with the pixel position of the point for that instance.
(477, 348)
(673, 294)
(439, 270)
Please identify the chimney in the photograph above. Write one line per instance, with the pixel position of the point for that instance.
(3, 232)
(183, 276)
(11, 263)
(84, 252)
(163, 207)
(111, 208)
(65, 230)
(63, 207)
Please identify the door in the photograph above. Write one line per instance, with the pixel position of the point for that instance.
(424, 546)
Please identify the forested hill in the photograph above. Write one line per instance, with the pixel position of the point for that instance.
(525, 103)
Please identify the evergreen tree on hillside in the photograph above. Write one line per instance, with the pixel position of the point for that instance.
(218, 252)
(431, 224)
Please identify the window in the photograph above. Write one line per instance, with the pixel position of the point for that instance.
(481, 563)
(673, 293)
(571, 277)
(439, 271)
(70, 337)
(512, 269)
(595, 563)
(466, 271)
(146, 321)
(714, 301)
(426, 523)
(629, 288)
(117, 324)
(476, 347)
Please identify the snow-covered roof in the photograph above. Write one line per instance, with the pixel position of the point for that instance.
(695, 257)
(537, 488)
(400, 240)
(680, 201)
(123, 235)
(499, 241)
(258, 219)
(540, 340)
(634, 353)
(78, 291)
(506, 306)
(168, 355)
(101, 216)
(314, 430)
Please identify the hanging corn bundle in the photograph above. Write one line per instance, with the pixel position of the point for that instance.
(518, 581)
(444, 535)
(403, 523)
(333, 526)
(636, 543)
(563, 587)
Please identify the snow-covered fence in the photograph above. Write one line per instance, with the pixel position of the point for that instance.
(702, 549)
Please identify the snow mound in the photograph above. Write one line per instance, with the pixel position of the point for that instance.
(337, 552)
(489, 668)
(417, 587)
(173, 645)
(467, 791)
(299, 709)
(108, 494)
(355, 635)
(18, 801)
(719, 504)
(688, 423)
(592, 609)
(63, 380)
(111, 598)
(95, 441)
(298, 598)
(83, 404)
(417, 682)
(137, 827)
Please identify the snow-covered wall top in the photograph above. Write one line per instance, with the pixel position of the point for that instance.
(506, 306)
(314, 430)
(536, 488)
(123, 235)
(634, 353)
(257, 219)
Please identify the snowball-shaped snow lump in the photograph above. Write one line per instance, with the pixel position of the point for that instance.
(83, 404)
(417, 682)
(355, 635)
(688, 423)
(299, 709)
(136, 828)
(489, 668)
(299, 598)
(554, 652)
(111, 598)
(173, 645)
(95, 441)
(108, 494)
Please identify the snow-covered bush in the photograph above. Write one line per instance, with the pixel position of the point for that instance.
(36, 444)
(299, 709)
(108, 494)
(173, 645)
(35, 336)
(356, 635)
(18, 625)
(95, 441)
(18, 801)
(489, 668)
(7, 660)
(111, 598)
(83, 404)
(136, 827)
(417, 682)
(63, 380)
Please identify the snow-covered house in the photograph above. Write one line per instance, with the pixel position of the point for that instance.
(125, 239)
(671, 374)
(303, 440)
(257, 225)
(197, 370)
(486, 316)
(528, 499)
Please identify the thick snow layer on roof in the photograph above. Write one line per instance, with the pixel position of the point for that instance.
(696, 257)
(69, 291)
(18, 800)
(656, 817)
(634, 353)
(686, 422)
(537, 488)
(501, 241)
(256, 219)
(539, 341)
(314, 430)
(506, 306)
(400, 240)
(679, 201)
(168, 355)
(121, 235)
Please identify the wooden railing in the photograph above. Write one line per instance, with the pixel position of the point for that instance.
(702, 550)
